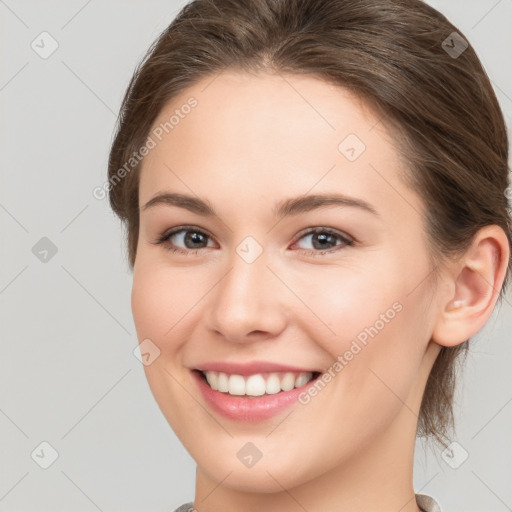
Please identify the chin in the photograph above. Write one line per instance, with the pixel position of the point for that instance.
(265, 477)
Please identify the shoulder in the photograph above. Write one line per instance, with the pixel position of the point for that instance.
(426, 503)
(186, 507)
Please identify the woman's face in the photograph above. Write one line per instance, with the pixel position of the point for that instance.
(251, 283)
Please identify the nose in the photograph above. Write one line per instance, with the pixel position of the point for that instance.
(247, 303)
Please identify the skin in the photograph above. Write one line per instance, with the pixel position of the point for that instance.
(252, 141)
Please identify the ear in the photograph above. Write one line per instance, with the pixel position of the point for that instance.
(474, 283)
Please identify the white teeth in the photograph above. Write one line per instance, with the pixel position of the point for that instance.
(211, 377)
(273, 384)
(301, 380)
(222, 382)
(236, 385)
(288, 382)
(257, 384)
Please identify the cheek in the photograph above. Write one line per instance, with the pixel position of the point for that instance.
(156, 309)
(378, 330)
(349, 303)
(146, 304)
(156, 305)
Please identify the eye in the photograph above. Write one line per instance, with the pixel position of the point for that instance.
(193, 239)
(324, 239)
(189, 236)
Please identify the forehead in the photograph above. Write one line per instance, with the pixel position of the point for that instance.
(289, 131)
(270, 108)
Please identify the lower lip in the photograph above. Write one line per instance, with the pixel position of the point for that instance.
(244, 408)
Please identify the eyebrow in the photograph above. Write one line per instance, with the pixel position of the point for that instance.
(285, 208)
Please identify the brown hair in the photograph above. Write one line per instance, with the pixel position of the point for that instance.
(390, 53)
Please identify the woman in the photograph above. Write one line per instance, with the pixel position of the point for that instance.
(315, 201)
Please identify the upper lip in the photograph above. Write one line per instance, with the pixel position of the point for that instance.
(250, 368)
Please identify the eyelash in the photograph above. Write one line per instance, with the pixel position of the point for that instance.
(165, 237)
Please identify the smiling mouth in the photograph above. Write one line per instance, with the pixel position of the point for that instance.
(259, 384)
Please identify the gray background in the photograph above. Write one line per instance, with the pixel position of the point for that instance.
(67, 369)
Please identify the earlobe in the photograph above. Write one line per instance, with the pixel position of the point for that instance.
(476, 281)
